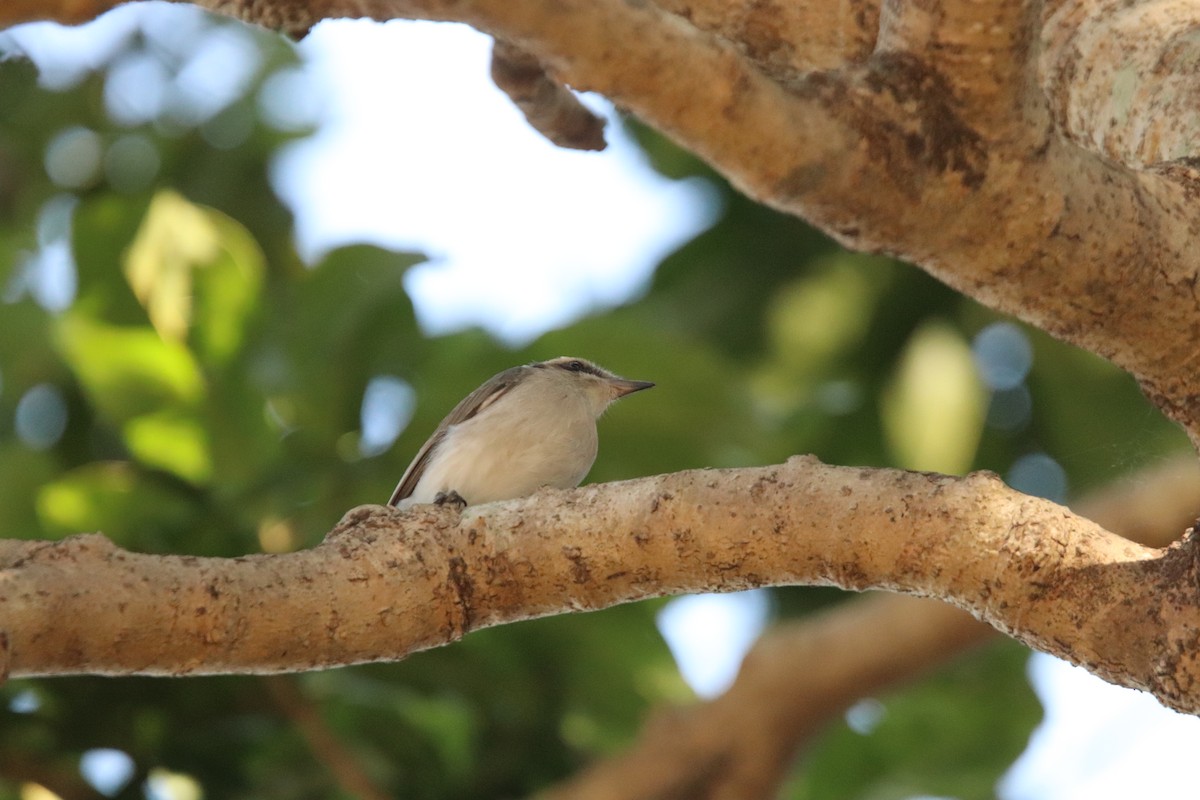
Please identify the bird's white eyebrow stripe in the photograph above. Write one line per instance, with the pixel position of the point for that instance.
(565, 362)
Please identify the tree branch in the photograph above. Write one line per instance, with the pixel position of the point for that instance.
(939, 146)
(68, 12)
(787, 40)
(978, 140)
(1121, 77)
(387, 583)
(743, 743)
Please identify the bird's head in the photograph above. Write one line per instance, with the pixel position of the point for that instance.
(595, 383)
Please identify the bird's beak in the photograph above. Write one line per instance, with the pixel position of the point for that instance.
(622, 387)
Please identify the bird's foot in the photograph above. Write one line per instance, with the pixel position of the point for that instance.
(451, 497)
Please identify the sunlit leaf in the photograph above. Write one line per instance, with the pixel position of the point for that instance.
(113, 498)
(175, 238)
(933, 411)
(35, 791)
(227, 290)
(171, 441)
(176, 785)
(819, 315)
(193, 264)
(128, 371)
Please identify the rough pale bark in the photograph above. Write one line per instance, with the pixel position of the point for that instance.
(387, 583)
(1121, 78)
(68, 12)
(800, 677)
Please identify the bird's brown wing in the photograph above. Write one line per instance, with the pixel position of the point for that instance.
(491, 391)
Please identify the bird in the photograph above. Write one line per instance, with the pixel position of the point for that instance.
(527, 427)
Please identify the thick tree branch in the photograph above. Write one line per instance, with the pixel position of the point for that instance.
(934, 139)
(943, 154)
(387, 583)
(939, 146)
(787, 40)
(68, 12)
(1121, 77)
(800, 677)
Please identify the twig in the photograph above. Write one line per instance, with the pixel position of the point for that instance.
(551, 108)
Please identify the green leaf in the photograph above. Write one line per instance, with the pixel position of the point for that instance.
(103, 227)
(115, 498)
(22, 473)
(128, 371)
(172, 441)
(26, 349)
(193, 265)
(933, 411)
(227, 291)
(174, 239)
(341, 324)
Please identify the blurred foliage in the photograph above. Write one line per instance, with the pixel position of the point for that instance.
(201, 391)
(950, 736)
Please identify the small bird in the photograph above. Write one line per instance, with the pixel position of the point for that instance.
(527, 427)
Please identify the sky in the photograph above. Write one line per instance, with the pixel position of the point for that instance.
(426, 154)
(417, 150)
